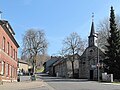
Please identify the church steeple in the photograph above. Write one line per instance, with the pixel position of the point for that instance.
(92, 26)
(92, 29)
(92, 37)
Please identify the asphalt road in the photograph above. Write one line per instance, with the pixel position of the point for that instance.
(57, 83)
(44, 82)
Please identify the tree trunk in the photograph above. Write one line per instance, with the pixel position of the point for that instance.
(34, 64)
(34, 68)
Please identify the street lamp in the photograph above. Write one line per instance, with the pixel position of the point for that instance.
(98, 64)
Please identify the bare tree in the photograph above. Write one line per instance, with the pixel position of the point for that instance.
(41, 59)
(34, 43)
(103, 31)
(72, 45)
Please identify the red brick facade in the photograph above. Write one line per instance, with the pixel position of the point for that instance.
(8, 53)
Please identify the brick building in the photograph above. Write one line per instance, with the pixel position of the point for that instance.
(8, 53)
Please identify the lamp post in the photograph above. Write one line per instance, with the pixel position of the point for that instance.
(98, 64)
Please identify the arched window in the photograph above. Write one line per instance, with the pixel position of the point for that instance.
(91, 51)
(3, 43)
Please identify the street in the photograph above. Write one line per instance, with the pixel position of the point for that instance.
(54, 83)
(45, 82)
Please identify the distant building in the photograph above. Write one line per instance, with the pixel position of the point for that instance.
(91, 58)
(63, 67)
(59, 68)
(8, 52)
(23, 67)
(48, 64)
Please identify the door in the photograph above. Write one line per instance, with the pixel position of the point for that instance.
(91, 74)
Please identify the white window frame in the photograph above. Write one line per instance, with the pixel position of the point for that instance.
(3, 43)
(3, 68)
(8, 48)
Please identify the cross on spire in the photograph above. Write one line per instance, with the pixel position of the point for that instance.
(92, 17)
(92, 26)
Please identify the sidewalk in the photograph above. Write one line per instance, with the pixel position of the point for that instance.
(22, 85)
(118, 84)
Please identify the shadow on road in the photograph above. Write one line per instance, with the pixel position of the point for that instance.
(47, 78)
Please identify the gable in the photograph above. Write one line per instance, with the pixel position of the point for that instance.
(92, 52)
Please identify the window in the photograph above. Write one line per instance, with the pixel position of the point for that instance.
(10, 71)
(13, 72)
(91, 51)
(7, 69)
(16, 56)
(8, 48)
(3, 68)
(11, 51)
(3, 43)
(84, 62)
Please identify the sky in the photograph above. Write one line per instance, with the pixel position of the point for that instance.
(58, 18)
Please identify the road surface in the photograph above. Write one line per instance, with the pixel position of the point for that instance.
(57, 83)
(45, 82)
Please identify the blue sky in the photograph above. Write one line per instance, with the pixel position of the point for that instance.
(58, 18)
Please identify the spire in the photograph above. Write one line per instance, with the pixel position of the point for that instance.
(92, 29)
(92, 26)
(92, 37)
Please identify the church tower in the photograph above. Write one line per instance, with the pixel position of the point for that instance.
(91, 57)
(92, 39)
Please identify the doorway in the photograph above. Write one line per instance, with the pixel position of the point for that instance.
(91, 74)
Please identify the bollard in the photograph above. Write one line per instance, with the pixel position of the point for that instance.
(18, 78)
(33, 78)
